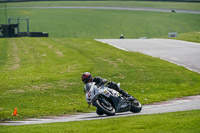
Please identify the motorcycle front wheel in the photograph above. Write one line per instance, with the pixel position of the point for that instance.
(136, 106)
(105, 107)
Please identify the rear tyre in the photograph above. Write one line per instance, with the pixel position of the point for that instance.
(136, 106)
(105, 107)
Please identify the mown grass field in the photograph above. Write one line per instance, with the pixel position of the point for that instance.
(88, 23)
(41, 76)
(179, 122)
(146, 4)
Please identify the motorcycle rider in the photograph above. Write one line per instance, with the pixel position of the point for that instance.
(87, 78)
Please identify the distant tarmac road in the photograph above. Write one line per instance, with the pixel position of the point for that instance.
(110, 8)
(182, 53)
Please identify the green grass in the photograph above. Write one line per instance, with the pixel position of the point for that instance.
(191, 37)
(88, 23)
(41, 76)
(179, 122)
(146, 4)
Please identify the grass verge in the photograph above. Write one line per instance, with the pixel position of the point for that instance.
(191, 37)
(184, 122)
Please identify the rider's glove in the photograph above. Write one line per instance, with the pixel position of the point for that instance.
(104, 81)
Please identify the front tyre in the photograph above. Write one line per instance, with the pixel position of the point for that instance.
(99, 112)
(136, 106)
(105, 107)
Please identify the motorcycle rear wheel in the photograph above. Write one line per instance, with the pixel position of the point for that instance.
(106, 109)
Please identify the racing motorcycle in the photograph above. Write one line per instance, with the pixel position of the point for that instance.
(108, 101)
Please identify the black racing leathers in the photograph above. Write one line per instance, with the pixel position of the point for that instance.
(98, 81)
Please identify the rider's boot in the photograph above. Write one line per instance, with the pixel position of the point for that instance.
(126, 95)
(116, 87)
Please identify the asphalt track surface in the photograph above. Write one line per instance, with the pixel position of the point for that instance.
(110, 8)
(182, 53)
(179, 104)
